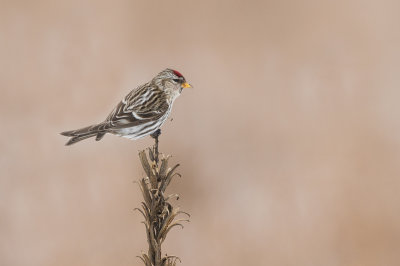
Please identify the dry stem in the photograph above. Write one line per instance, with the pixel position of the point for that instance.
(159, 214)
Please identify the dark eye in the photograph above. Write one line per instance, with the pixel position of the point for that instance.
(177, 80)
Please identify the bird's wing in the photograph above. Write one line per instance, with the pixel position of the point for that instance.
(144, 104)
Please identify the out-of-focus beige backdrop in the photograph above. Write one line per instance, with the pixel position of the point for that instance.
(289, 143)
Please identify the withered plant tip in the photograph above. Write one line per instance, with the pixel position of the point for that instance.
(160, 216)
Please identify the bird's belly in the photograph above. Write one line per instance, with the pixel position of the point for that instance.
(142, 130)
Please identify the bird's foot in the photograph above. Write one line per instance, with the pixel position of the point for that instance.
(156, 134)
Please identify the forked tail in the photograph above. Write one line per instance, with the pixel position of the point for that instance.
(84, 133)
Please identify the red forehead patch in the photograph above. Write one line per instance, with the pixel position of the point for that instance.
(177, 73)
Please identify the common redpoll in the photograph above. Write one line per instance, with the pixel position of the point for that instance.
(142, 112)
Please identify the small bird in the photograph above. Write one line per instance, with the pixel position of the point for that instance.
(142, 112)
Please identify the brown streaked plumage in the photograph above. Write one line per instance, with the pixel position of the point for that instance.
(140, 113)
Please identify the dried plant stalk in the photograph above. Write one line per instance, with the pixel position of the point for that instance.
(159, 215)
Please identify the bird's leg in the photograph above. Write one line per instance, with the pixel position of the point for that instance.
(155, 136)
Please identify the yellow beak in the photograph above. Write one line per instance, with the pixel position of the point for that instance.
(186, 85)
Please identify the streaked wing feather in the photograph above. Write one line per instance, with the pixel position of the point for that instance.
(144, 104)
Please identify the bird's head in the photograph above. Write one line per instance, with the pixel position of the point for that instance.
(171, 81)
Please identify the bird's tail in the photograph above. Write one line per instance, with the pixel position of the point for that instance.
(84, 133)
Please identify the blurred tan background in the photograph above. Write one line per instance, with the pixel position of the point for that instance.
(289, 143)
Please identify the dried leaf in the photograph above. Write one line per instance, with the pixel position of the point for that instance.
(169, 229)
(169, 177)
(146, 210)
(171, 196)
(184, 213)
(173, 257)
(170, 260)
(145, 192)
(167, 221)
(137, 209)
(171, 170)
(167, 181)
(146, 262)
(144, 161)
(151, 155)
(147, 259)
(164, 167)
(153, 180)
